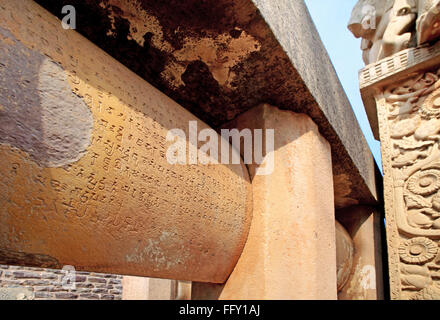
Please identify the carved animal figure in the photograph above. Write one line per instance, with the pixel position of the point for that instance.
(428, 22)
(368, 21)
(400, 29)
(415, 277)
(389, 26)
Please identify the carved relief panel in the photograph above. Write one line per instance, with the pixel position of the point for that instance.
(409, 117)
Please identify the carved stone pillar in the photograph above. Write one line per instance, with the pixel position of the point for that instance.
(405, 89)
(400, 89)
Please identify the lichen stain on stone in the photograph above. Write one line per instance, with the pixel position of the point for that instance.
(157, 252)
(140, 21)
(9, 257)
(220, 52)
(354, 288)
(40, 114)
(343, 189)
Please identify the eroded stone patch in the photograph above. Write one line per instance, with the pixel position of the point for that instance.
(39, 113)
(140, 24)
(153, 252)
(20, 293)
(9, 257)
(343, 189)
(221, 53)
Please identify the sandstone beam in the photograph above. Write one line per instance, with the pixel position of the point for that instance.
(220, 58)
(84, 178)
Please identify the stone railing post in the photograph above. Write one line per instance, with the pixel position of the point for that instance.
(290, 252)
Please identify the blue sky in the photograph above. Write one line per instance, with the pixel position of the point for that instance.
(331, 18)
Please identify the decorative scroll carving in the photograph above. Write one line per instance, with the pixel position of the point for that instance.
(389, 26)
(410, 132)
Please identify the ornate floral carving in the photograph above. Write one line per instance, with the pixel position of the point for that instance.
(418, 250)
(408, 144)
(405, 127)
(424, 183)
(430, 293)
(431, 108)
(414, 132)
(408, 106)
(416, 202)
(410, 133)
(436, 202)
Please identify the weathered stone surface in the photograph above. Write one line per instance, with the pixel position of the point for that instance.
(368, 21)
(29, 259)
(206, 291)
(46, 283)
(116, 205)
(364, 225)
(183, 290)
(344, 255)
(57, 126)
(407, 99)
(140, 288)
(66, 295)
(89, 296)
(161, 289)
(291, 250)
(221, 58)
(16, 294)
(42, 295)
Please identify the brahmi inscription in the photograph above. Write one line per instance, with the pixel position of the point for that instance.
(56, 127)
(121, 207)
(213, 153)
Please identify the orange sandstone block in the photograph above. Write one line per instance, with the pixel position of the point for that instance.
(291, 248)
(366, 281)
(84, 178)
